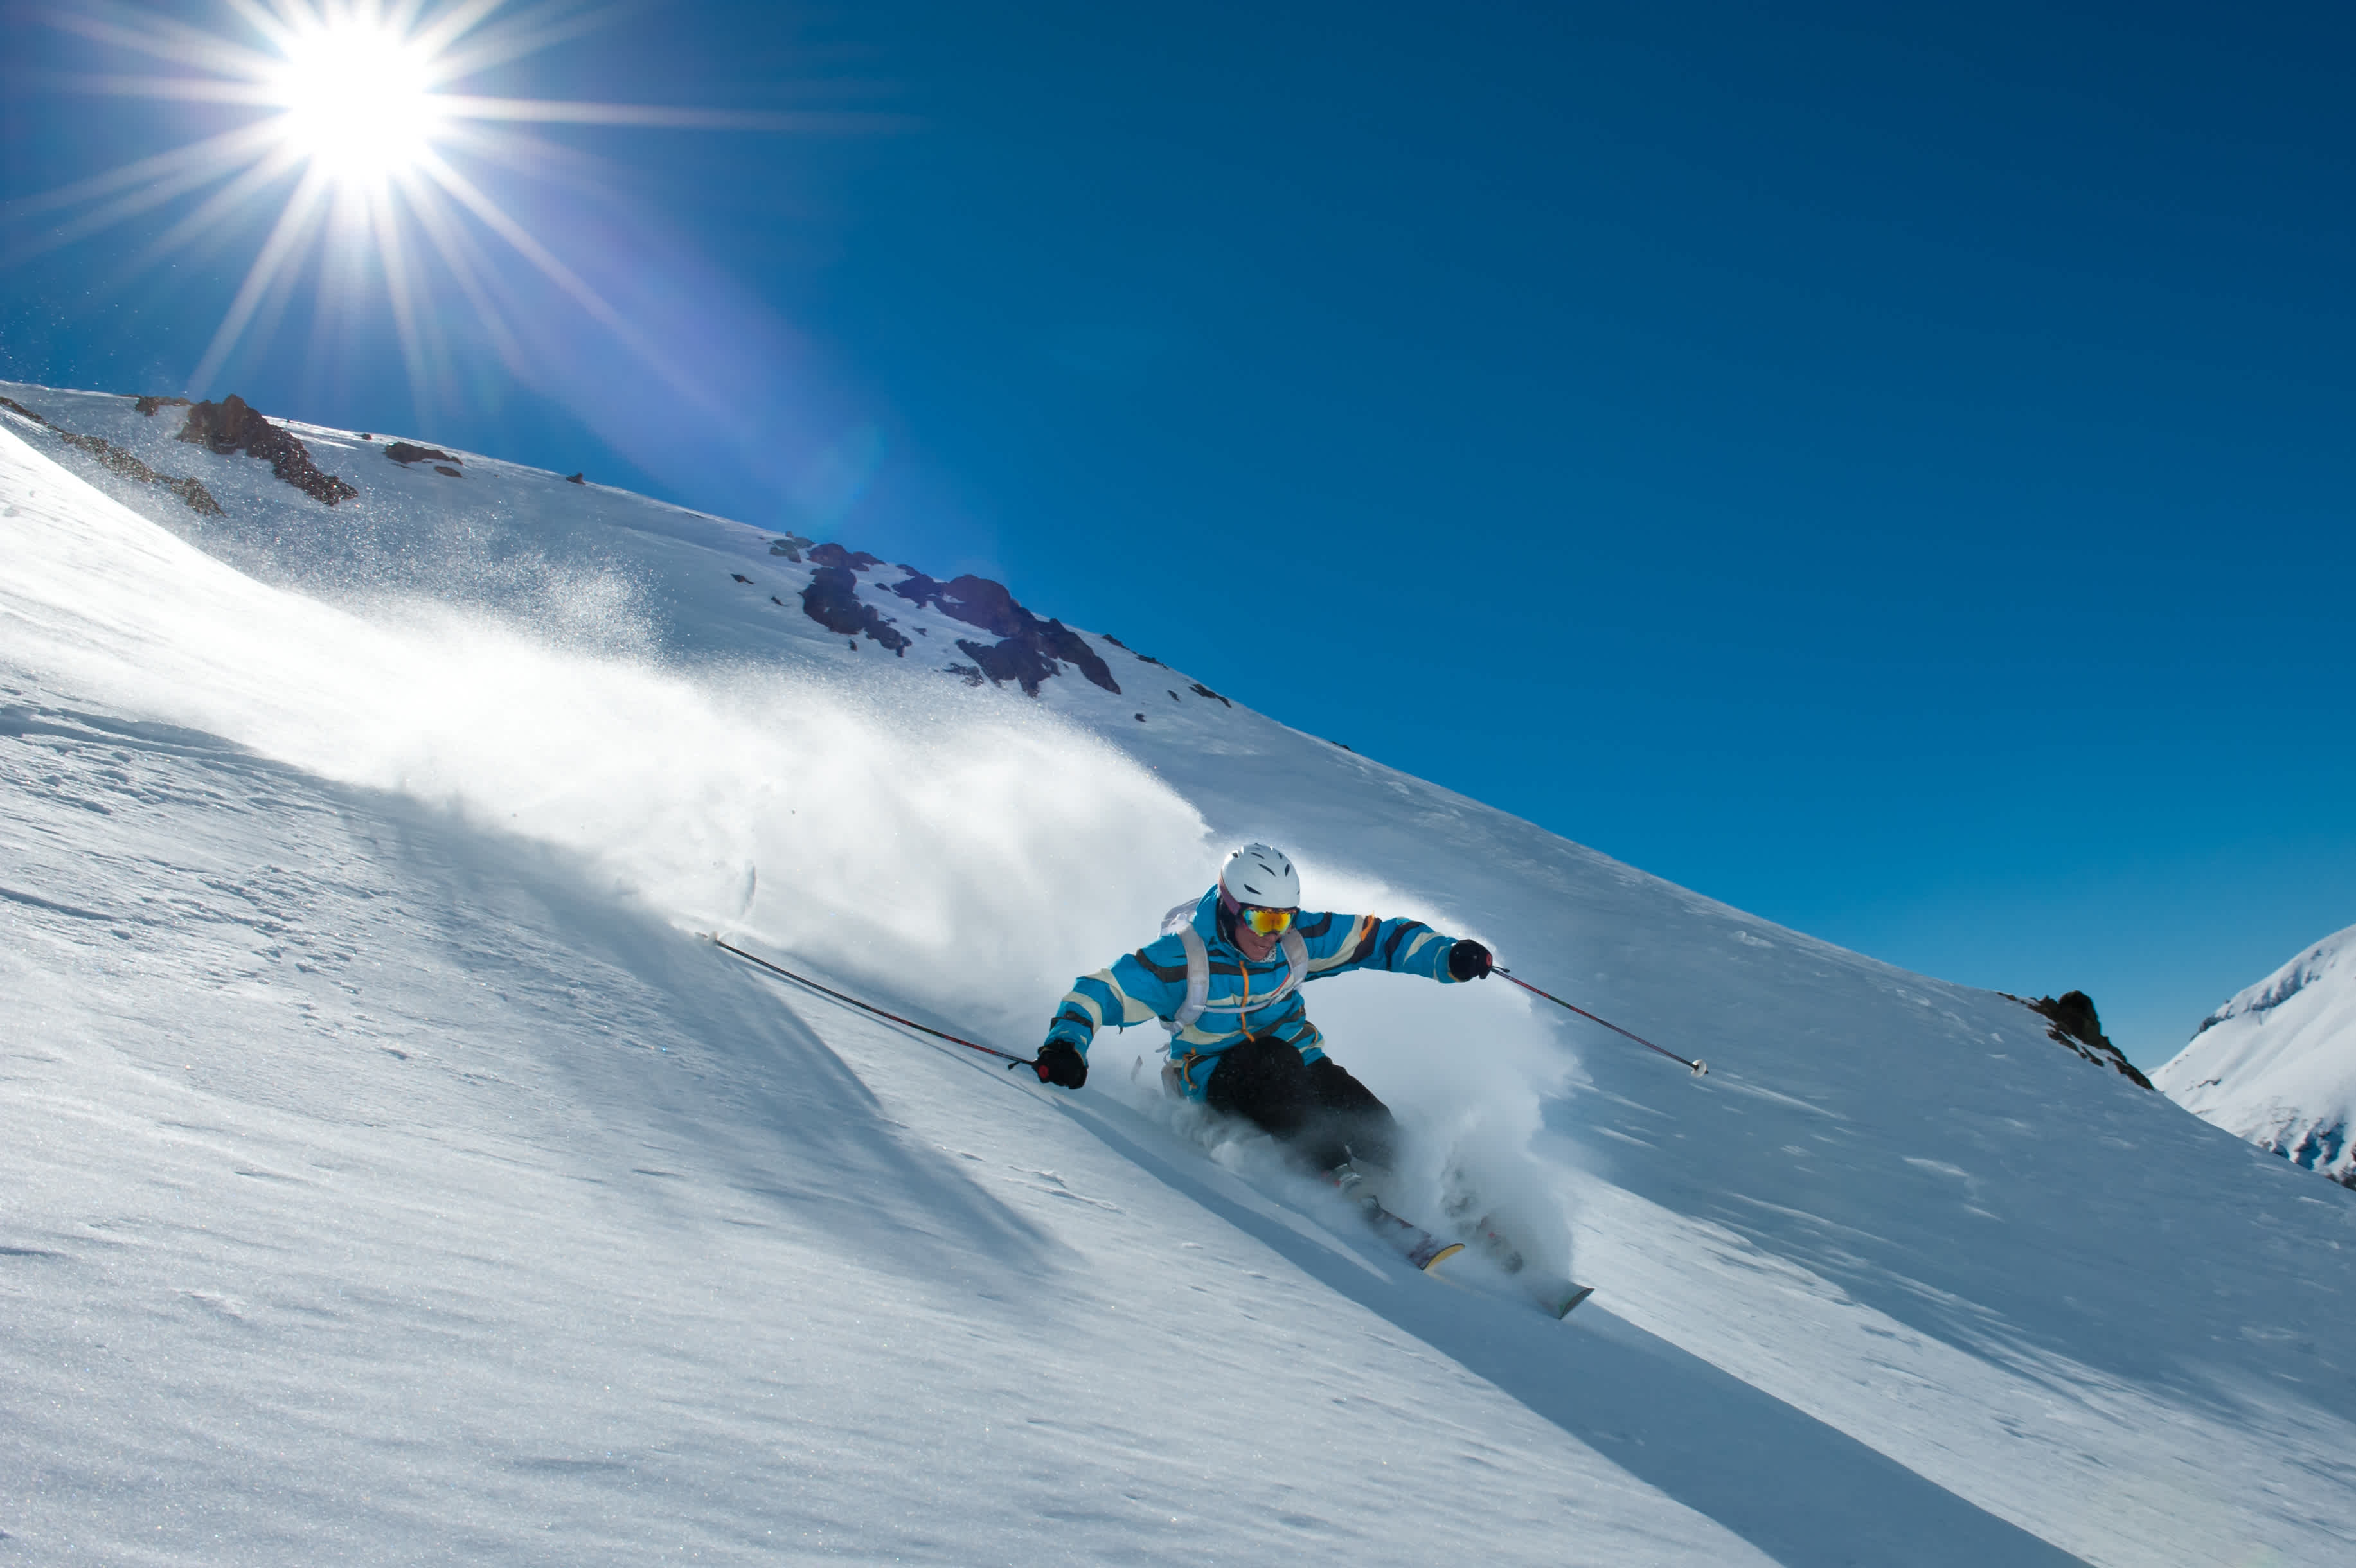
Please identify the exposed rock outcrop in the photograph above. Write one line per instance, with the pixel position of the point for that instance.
(231, 426)
(1028, 648)
(1124, 647)
(406, 453)
(2073, 1022)
(148, 405)
(198, 498)
(832, 554)
(832, 600)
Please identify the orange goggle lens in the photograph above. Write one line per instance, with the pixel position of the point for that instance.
(1266, 922)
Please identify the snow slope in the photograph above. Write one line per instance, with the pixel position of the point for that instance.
(2277, 1065)
(387, 1172)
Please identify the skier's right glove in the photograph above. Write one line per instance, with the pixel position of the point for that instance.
(1061, 1063)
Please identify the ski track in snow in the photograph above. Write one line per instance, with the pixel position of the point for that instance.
(388, 1174)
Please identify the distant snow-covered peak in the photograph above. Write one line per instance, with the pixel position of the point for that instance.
(2276, 1064)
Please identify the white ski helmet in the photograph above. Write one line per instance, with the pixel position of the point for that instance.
(1257, 874)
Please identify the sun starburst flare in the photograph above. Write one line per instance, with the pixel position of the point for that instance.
(354, 103)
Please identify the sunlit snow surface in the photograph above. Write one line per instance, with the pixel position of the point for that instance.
(388, 1173)
(2278, 1063)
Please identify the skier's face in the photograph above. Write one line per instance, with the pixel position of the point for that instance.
(1256, 944)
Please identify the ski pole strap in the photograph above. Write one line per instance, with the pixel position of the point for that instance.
(1699, 1067)
(1011, 1059)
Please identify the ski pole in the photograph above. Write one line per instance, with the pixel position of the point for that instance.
(1011, 1059)
(1699, 1068)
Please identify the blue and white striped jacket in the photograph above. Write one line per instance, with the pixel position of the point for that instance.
(1151, 983)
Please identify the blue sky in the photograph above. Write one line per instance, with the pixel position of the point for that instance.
(1893, 473)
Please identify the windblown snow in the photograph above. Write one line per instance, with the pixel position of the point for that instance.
(389, 1172)
(2277, 1065)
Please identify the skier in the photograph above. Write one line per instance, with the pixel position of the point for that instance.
(1225, 979)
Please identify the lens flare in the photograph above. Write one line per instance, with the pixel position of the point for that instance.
(356, 117)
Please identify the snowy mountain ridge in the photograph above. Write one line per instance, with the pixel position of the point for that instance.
(2284, 983)
(2276, 1064)
(389, 1173)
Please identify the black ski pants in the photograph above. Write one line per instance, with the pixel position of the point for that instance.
(1316, 1107)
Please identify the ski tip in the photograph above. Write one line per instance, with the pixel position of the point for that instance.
(1444, 1254)
(1577, 1295)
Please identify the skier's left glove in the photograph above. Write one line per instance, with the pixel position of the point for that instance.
(1468, 960)
(1061, 1063)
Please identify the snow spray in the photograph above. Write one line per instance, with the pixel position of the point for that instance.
(970, 856)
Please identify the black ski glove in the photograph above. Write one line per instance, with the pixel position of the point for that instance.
(1468, 960)
(1061, 1063)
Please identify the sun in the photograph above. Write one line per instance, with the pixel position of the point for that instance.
(359, 112)
(357, 99)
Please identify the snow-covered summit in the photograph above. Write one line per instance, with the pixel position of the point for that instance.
(388, 1174)
(2276, 1064)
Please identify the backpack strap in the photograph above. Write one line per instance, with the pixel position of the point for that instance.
(1180, 922)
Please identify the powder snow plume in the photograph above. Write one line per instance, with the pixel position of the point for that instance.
(970, 861)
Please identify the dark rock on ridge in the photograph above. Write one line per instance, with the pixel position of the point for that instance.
(1010, 660)
(406, 453)
(1028, 648)
(148, 405)
(1199, 689)
(231, 426)
(199, 499)
(832, 554)
(1124, 647)
(2075, 1023)
(832, 600)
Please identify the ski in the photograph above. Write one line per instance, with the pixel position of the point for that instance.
(1417, 1245)
(1557, 1297)
(1554, 1295)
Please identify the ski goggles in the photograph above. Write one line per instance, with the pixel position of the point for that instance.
(1266, 922)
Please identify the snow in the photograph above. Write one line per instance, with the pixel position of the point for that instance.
(2276, 1064)
(388, 1172)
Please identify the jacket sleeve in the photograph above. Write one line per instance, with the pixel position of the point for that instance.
(1140, 987)
(1340, 942)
